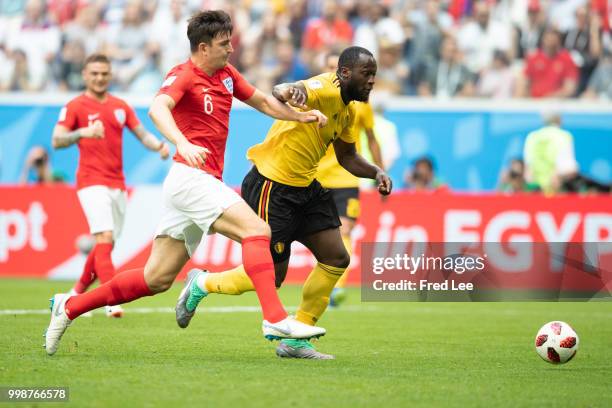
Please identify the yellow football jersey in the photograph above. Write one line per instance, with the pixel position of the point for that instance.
(292, 150)
(330, 173)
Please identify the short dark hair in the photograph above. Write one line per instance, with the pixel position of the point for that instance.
(206, 25)
(427, 161)
(350, 56)
(97, 57)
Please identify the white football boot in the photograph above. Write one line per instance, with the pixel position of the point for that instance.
(289, 328)
(59, 323)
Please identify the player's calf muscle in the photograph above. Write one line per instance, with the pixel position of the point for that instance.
(167, 258)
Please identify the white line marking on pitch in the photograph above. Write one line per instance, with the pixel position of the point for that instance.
(219, 309)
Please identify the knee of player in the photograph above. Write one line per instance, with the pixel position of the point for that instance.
(260, 228)
(340, 260)
(159, 284)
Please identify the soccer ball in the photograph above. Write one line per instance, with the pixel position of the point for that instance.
(556, 342)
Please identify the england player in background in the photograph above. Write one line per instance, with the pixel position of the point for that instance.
(95, 121)
(192, 111)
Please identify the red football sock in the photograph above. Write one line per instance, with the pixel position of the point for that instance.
(258, 264)
(89, 273)
(103, 264)
(123, 288)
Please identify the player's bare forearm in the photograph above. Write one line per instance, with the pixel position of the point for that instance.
(275, 108)
(160, 113)
(354, 163)
(358, 166)
(278, 110)
(272, 106)
(62, 139)
(374, 148)
(147, 139)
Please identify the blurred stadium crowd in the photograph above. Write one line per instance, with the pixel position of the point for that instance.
(440, 48)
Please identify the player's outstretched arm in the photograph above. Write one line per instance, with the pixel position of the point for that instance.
(278, 109)
(374, 147)
(161, 114)
(64, 137)
(151, 142)
(354, 163)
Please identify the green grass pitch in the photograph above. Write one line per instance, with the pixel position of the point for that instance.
(387, 355)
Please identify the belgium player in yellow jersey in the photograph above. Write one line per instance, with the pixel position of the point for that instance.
(343, 185)
(282, 189)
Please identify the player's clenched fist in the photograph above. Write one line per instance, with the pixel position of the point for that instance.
(95, 130)
(194, 155)
(164, 151)
(383, 183)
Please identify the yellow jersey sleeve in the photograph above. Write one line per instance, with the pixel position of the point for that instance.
(291, 152)
(350, 133)
(365, 115)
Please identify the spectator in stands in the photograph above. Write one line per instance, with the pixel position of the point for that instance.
(549, 72)
(62, 11)
(448, 77)
(252, 70)
(36, 38)
(6, 70)
(86, 28)
(330, 31)
(529, 37)
(562, 13)
(479, 38)
(512, 179)
(264, 36)
(70, 66)
(296, 15)
(129, 47)
(169, 27)
(600, 84)
(17, 73)
(37, 169)
(497, 81)
(549, 155)
(289, 67)
(393, 71)
(422, 177)
(430, 26)
(386, 28)
(584, 44)
(363, 24)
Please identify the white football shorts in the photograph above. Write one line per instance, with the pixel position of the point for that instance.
(104, 208)
(193, 200)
